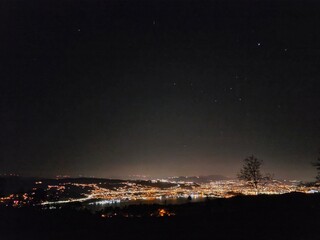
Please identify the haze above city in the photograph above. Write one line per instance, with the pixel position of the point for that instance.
(159, 88)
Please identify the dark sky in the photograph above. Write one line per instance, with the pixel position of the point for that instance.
(159, 88)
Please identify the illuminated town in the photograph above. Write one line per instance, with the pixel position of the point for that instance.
(111, 192)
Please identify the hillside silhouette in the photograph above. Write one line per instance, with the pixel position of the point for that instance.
(288, 216)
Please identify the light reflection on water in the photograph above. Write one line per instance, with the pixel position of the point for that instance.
(100, 204)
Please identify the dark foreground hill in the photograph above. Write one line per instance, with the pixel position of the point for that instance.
(289, 216)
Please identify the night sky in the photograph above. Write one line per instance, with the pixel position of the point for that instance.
(159, 88)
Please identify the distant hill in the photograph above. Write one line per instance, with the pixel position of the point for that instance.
(10, 185)
(200, 179)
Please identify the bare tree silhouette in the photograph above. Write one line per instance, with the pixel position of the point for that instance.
(251, 173)
(317, 165)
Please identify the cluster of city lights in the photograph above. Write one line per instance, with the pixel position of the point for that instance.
(103, 193)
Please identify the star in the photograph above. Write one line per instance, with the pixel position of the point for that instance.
(259, 44)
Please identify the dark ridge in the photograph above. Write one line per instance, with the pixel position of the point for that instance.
(290, 216)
